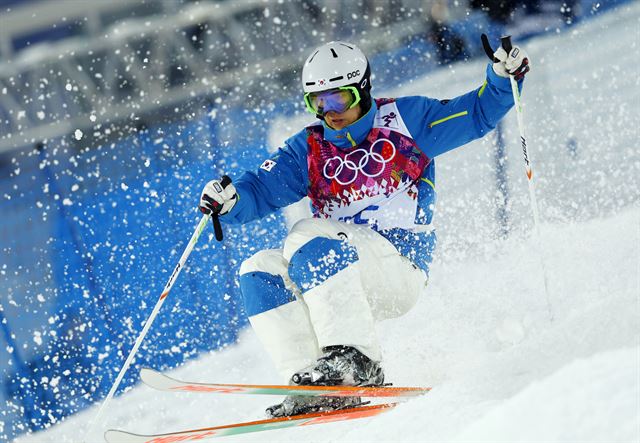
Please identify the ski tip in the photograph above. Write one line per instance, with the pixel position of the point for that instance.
(152, 378)
(148, 371)
(115, 436)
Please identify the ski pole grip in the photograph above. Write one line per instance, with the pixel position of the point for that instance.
(487, 48)
(217, 228)
(506, 43)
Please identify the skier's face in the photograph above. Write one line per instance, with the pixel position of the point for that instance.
(341, 121)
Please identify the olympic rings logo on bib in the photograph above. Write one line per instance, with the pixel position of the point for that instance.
(368, 162)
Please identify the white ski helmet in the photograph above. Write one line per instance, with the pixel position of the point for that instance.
(337, 64)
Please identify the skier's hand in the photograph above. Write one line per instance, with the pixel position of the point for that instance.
(218, 199)
(515, 63)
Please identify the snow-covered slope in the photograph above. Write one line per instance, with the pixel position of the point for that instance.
(482, 338)
(482, 335)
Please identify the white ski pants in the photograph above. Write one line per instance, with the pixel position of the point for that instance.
(327, 286)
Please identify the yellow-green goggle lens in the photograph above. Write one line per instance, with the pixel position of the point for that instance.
(337, 100)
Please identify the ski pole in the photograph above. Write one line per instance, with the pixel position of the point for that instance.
(506, 45)
(172, 279)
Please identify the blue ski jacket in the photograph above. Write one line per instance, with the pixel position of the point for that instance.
(378, 171)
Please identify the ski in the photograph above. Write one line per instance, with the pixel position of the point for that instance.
(117, 436)
(160, 381)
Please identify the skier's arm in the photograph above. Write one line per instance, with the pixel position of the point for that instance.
(439, 126)
(280, 181)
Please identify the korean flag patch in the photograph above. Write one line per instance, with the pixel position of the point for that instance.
(268, 165)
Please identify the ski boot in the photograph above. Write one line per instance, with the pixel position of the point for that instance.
(300, 404)
(340, 365)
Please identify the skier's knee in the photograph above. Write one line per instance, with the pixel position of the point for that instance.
(319, 259)
(300, 233)
(307, 229)
(311, 227)
(262, 284)
(269, 260)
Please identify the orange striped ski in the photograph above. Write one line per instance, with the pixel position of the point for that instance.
(116, 436)
(162, 382)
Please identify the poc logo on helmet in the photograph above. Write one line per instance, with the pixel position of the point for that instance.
(353, 74)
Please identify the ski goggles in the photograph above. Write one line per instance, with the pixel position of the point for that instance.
(338, 100)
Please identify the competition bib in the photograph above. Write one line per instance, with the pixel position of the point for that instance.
(373, 183)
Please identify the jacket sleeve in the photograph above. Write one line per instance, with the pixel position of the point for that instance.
(439, 126)
(280, 181)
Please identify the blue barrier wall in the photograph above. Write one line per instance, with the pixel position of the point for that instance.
(88, 241)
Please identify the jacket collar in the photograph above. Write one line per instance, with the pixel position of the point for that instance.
(353, 134)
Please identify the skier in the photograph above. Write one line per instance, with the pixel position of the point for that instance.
(367, 166)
